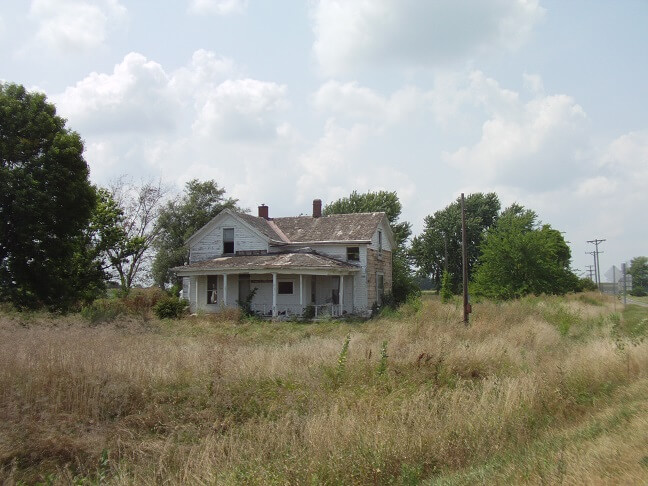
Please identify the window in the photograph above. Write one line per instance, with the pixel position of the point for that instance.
(228, 240)
(212, 289)
(285, 288)
(353, 253)
(379, 241)
(380, 288)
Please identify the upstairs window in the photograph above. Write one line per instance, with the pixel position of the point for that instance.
(353, 253)
(379, 241)
(228, 240)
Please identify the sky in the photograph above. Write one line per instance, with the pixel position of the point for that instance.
(281, 102)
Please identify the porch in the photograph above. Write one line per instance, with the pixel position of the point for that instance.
(273, 295)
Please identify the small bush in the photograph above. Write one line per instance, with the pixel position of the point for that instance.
(638, 292)
(446, 288)
(103, 310)
(309, 312)
(585, 285)
(170, 308)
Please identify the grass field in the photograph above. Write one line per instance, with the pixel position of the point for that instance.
(545, 390)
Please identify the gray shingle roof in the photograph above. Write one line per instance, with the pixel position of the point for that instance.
(260, 225)
(335, 227)
(271, 261)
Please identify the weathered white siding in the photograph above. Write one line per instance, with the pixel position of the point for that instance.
(359, 286)
(385, 241)
(211, 244)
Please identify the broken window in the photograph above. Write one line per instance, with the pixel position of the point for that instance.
(353, 253)
(228, 240)
(212, 289)
(285, 288)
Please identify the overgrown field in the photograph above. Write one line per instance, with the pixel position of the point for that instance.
(545, 390)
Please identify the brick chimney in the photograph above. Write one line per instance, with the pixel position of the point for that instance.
(263, 211)
(317, 208)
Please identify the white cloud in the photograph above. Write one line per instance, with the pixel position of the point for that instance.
(204, 71)
(75, 25)
(202, 120)
(355, 101)
(414, 33)
(219, 7)
(134, 98)
(536, 145)
(241, 110)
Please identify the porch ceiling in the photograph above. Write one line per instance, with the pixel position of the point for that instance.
(284, 262)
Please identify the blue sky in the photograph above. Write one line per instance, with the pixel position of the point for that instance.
(544, 102)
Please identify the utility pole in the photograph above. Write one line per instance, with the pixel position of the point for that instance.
(590, 272)
(596, 242)
(625, 288)
(595, 279)
(464, 252)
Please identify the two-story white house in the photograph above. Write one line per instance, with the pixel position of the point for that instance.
(337, 265)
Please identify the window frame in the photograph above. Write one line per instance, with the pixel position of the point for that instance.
(212, 293)
(227, 242)
(349, 259)
(284, 282)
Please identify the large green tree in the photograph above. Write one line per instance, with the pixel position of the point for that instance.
(182, 217)
(520, 257)
(438, 248)
(403, 283)
(638, 269)
(46, 202)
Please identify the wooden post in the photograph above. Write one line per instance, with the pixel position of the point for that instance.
(464, 251)
(274, 295)
(301, 290)
(224, 290)
(341, 294)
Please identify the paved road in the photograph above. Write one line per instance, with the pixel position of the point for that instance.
(636, 302)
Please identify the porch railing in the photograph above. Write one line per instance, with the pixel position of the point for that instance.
(296, 310)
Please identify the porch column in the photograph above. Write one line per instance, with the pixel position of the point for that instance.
(301, 290)
(224, 290)
(341, 293)
(274, 295)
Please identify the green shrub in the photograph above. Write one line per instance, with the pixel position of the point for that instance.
(446, 288)
(638, 292)
(170, 308)
(309, 312)
(585, 285)
(103, 310)
(246, 304)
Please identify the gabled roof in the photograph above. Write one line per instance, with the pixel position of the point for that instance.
(335, 227)
(257, 225)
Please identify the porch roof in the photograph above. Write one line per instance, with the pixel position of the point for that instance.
(281, 262)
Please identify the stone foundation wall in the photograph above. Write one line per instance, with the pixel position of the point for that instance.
(378, 262)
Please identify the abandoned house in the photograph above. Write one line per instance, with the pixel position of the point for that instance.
(316, 265)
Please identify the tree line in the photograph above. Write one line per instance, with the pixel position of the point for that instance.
(62, 238)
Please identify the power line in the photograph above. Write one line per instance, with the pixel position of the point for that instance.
(597, 264)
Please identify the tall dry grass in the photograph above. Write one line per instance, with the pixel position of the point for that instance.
(202, 401)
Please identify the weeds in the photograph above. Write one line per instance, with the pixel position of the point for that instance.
(515, 398)
(382, 364)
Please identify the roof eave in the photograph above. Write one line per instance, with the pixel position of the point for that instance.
(188, 272)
